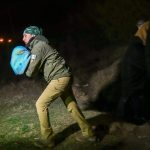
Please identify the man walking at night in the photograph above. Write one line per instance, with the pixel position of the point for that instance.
(47, 60)
(135, 75)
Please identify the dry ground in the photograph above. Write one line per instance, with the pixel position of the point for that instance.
(19, 125)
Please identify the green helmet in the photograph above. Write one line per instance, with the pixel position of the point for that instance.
(34, 30)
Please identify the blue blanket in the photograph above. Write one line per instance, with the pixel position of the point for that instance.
(20, 58)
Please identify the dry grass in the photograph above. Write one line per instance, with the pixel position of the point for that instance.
(18, 117)
(20, 125)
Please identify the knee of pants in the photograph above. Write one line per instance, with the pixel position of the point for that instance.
(40, 105)
(37, 104)
(72, 105)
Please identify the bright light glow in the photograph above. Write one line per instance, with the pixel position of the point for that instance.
(5, 40)
(9, 40)
(1, 40)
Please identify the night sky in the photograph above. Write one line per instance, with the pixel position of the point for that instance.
(115, 18)
(16, 15)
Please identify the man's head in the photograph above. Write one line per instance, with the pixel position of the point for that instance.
(143, 31)
(34, 30)
(140, 23)
(31, 32)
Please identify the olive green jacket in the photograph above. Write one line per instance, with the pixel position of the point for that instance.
(46, 60)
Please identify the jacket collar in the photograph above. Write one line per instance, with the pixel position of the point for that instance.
(35, 40)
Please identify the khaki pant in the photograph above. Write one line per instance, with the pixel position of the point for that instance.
(59, 88)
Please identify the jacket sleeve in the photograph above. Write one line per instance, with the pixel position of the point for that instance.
(147, 56)
(35, 61)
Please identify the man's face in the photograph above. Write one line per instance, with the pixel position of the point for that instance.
(27, 37)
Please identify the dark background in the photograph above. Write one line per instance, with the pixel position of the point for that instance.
(109, 19)
(77, 28)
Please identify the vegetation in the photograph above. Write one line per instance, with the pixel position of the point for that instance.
(19, 123)
(18, 117)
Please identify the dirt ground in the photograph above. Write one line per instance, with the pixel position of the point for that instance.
(114, 134)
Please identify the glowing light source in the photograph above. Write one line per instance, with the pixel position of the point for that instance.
(5, 40)
(9, 40)
(1, 40)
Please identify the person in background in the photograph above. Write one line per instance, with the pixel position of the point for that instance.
(135, 73)
(46, 60)
(140, 23)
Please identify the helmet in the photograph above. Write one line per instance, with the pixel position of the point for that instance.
(34, 30)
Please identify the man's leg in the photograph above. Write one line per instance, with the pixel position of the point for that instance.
(52, 92)
(70, 102)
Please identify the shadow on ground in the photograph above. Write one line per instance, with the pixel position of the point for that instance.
(21, 144)
(114, 134)
(66, 138)
(101, 125)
